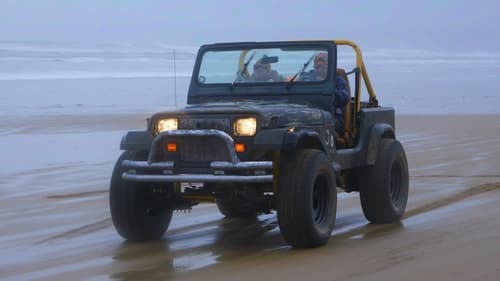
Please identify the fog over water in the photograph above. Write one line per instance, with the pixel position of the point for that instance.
(443, 25)
(39, 78)
(117, 56)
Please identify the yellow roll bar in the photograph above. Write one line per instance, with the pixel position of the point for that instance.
(362, 68)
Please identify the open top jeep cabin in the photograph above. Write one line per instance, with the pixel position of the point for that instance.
(262, 132)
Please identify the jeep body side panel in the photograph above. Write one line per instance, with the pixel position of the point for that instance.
(374, 125)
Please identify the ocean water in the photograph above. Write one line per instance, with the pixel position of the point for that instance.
(45, 81)
(40, 78)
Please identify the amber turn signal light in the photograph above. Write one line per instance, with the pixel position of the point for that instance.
(171, 147)
(239, 147)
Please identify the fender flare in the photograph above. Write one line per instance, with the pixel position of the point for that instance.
(136, 140)
(378, 132)
(304, 139)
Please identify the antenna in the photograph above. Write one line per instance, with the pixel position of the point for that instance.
(175, 82)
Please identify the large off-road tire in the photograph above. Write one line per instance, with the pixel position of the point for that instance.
(233, 208)
(138, 213)
(307, 198)
(384, 186)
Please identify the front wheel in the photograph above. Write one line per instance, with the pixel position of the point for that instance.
(384, 186)
(139, 210)
(307, 198)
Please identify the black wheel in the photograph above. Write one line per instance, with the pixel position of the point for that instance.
(384, 186)
(307, 198)
(234, 208)
(139, 210)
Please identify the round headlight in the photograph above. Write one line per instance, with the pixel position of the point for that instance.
(245, 126)
(167, 124)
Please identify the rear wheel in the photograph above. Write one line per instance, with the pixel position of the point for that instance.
(307, 198)
(139, 210)
(235, 208)
(384, 186)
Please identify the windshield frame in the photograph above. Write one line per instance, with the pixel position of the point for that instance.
(323, 87)
(255, 46)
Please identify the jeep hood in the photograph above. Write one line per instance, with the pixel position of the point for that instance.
(276, 113)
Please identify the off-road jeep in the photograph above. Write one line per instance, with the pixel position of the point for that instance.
(253, 145)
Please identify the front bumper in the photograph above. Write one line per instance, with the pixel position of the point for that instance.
(232, 170)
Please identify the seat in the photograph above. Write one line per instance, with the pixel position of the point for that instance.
(345, 139)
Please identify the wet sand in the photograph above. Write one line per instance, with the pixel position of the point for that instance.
(56, 223)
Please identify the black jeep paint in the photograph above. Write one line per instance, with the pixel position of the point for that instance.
(313, 127)
(292, 164)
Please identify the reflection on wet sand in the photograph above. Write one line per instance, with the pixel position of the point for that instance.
(193, 247)
(135, 261)
(220, 241)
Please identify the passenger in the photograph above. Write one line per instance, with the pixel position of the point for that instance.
(341, 100)
(341, 92)
(262, 72)
(320, 66)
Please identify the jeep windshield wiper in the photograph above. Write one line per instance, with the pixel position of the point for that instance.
(306, 64)
(239, 74)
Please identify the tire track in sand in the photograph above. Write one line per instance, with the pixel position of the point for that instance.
(382, 228)
(77, 195)
(476, 190)
(86, 229)
(457, 176)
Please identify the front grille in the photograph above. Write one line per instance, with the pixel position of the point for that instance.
(193, 146)
(205, 123)
(202, 149)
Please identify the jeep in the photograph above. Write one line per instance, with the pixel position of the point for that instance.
(255, 144)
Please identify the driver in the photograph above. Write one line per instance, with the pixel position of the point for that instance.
(262, 72)
(341, 92)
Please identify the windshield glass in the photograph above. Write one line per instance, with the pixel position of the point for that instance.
(270, 65)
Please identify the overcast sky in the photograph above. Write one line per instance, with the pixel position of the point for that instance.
(458, 25)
